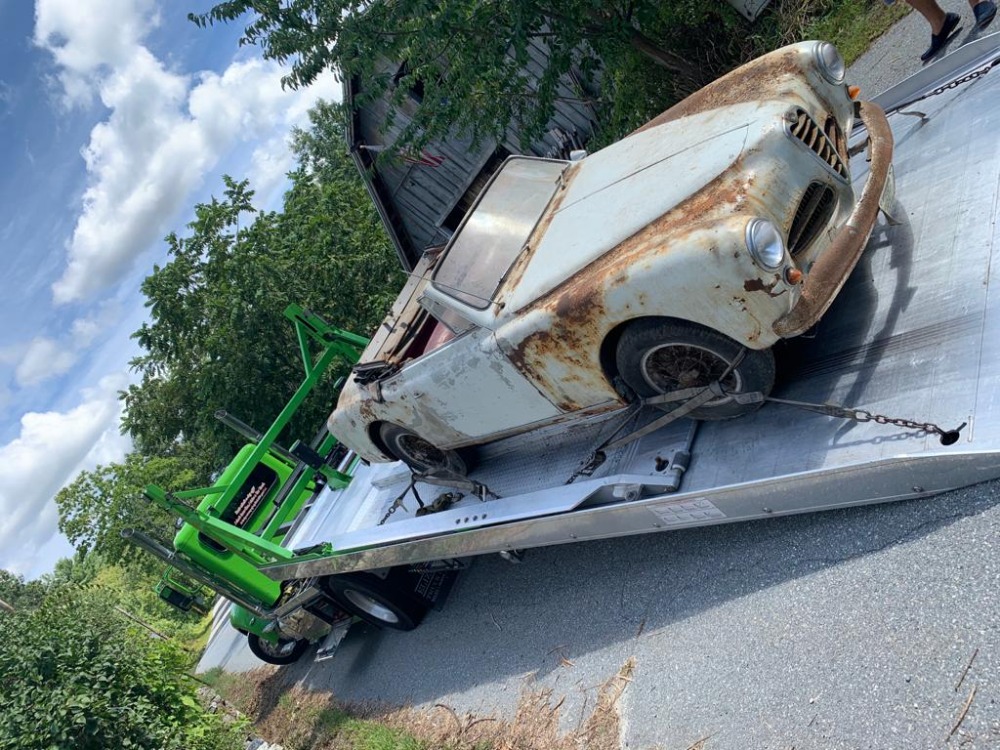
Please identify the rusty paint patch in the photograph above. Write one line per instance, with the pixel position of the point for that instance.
(366, 410)
(756, 285)
(736, 87)
(576, 311)
(577, 307)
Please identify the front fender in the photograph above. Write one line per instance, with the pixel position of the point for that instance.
(704, 275)
(351, 421)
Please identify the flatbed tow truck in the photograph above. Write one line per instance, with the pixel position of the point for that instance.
(915, 335)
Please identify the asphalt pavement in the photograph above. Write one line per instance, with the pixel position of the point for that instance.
(846, 629)
(896, 55)
(860, 628)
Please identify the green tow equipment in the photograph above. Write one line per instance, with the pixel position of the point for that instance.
(239, 522)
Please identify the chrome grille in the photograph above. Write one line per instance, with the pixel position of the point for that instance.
(812, 215)
(825, 142)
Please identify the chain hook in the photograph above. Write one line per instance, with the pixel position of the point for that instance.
(947, 437)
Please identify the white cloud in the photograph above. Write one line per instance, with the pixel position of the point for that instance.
(164, 135)
(85, 330)
(270, 164)
(43, 359)
(272, 160)
(6, 98)
(50, 450)
(86, 38)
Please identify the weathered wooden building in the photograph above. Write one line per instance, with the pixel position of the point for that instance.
(423, 197)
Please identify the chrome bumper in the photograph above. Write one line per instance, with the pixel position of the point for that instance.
(829, 273)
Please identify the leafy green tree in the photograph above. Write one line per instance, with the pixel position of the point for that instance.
(217, 337)
(132, 589)
(98, 504)
(80, 569)
(20, 594)
(467, 57)
(75, 674)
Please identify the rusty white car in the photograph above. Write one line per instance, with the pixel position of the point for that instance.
(727, 223)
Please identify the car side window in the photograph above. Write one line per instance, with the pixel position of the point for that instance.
(447, 317)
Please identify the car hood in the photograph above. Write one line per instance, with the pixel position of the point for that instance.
(616, 192)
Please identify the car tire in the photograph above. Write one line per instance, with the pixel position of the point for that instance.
(375, 601)
(419, 454)
(659, 356)
(285, 651)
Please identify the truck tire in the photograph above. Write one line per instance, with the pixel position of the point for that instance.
(285, 651)
(659, 356)
(417, 453)
(375, 601)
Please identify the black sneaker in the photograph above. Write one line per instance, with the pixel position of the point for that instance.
(940, 40)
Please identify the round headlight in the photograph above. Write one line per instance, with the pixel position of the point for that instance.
(830, 63)
(765, 244)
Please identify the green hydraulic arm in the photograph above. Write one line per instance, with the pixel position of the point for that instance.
(254, 549)
(259, 549)
(335, 343)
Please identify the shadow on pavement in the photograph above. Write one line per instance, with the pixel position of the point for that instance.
(506, 620)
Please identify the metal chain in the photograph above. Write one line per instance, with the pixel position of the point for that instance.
(951, 84)
(595, 459)
(398, 502)
(964, 79)
(948, 437)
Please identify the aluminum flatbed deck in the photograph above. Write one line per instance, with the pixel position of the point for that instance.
(915, 334)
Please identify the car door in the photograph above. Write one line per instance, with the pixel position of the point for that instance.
(465, 391)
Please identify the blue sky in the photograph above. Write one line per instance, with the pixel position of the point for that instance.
(116, 117)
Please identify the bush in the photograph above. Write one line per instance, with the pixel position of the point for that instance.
(76, 675)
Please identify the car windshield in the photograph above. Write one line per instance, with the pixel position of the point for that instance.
(491, 237)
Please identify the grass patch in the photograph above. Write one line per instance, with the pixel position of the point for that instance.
(215, 677)
(853, 25)
(194, 637)
(285, 713)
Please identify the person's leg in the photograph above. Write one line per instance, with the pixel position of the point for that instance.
(942, 24)
(932, 12)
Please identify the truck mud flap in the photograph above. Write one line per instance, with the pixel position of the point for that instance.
(430, 585)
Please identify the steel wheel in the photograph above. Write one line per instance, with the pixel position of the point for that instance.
(673, 366)
(659, 356)
(280, 652)
(419, 454)
(375, 600)
(371, 606)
